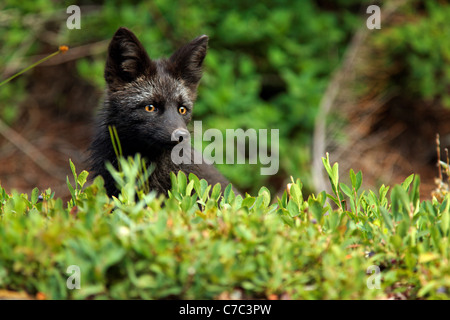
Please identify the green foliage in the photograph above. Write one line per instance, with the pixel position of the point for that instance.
(20, 24)
(201, 241)
(419, 52)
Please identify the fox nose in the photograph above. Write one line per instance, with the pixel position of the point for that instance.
(180, 135)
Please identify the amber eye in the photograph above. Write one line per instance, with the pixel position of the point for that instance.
(150, 108)
(182, 110)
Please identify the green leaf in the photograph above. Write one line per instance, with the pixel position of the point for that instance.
(383, 192)
(265, 194)
(72, 168)
(189, 187)
(34, 196)
(288, 220)
(405, 184)
(353, 178)
(326, 164)
(259, 202)
(203, 188)
(293, 209)
(82, 178)
(186, 203)
(174, 181)
(359, 180)
(387, 219)
(346, 190)
(215, 194)
(400, 203)
(296, 194)
(335, 176)
(226, 193)
(415, 194)
(445, 222)
(248, 202)
(231, 197)
(193, 177)
(316, 209)
(402, 228)
(334, 218)
(182, 182)
(283, 201)
(334, 199)
(71, 190)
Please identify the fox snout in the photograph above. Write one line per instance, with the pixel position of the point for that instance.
(180, 135)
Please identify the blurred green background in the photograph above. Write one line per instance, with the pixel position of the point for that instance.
(268, 66)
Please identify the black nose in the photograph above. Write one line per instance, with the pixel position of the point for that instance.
(180, 134)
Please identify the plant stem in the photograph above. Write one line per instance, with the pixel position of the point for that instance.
(61, 49)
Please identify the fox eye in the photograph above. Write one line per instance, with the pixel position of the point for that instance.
(150, 108)
(182, 110)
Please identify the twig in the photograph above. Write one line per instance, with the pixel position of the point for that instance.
(438, 150)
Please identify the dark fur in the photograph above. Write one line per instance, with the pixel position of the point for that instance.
(134, 81)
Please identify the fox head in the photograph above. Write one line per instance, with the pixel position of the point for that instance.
(150, 102)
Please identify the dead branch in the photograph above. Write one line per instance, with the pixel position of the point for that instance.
(339, 80)
(31, 151)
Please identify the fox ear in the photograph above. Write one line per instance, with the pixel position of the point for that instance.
(127, 58)
(187, 61)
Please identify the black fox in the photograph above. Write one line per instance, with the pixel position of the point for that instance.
(150, 103)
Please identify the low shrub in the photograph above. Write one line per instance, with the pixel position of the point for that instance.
(202, 242)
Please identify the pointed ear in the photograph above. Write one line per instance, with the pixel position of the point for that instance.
(127, 59)
(188, 60)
